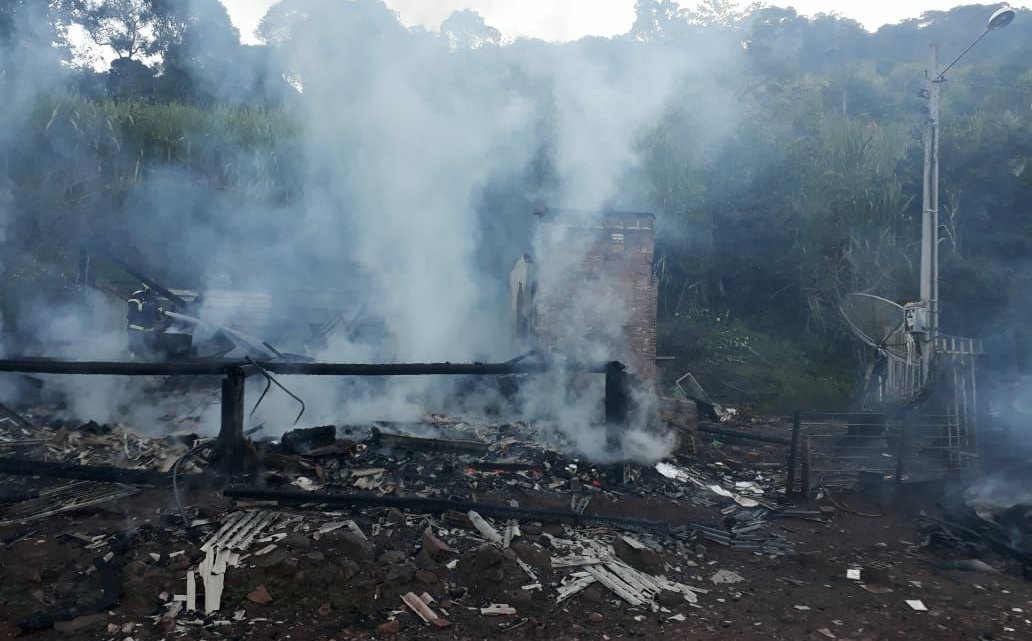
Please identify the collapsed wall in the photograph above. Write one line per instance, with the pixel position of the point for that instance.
(588, 290)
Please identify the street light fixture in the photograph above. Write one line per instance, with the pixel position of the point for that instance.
(1000, 18)
(930, 197)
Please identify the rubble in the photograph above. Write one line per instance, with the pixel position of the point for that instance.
(483, 539)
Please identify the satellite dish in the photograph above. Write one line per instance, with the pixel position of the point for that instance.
(877, 321)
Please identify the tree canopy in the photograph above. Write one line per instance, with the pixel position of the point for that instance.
(784, 166)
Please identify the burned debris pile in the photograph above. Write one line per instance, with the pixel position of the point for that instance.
(449, 523)
(985, 524)
(445, 522)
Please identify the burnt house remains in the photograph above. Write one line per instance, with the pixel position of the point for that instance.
(588, 290)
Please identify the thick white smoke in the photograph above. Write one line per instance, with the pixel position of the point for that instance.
(28, 68)
(405, 141)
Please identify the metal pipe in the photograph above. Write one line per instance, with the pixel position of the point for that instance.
(793, 446)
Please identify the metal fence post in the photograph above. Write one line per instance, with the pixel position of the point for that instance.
(792, 448)
(807, 464)
(901, 450)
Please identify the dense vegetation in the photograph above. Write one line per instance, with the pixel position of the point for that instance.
(813, 191)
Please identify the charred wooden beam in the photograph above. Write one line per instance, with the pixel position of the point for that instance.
(116, 368)
(27, 467)
(440, 506)
(215, 368)
(415, 369)
(404, 442)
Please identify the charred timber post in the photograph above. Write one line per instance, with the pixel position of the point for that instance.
(232, 452)
(618, 401)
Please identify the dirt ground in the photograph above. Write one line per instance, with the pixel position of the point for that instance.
(332, 587)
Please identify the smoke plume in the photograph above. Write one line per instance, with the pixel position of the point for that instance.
(414, 168)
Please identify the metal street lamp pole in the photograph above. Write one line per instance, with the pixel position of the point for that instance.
(930, 195)
(930, 217)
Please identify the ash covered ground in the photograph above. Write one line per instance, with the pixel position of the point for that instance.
(357, 532)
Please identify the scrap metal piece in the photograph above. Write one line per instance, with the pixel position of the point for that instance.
(65, 498)
(485, 528)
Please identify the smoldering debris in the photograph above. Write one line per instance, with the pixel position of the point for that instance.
(510, 528)
(987, 519)
(475, 556)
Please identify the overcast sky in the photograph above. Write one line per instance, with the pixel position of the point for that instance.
(572, 19)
